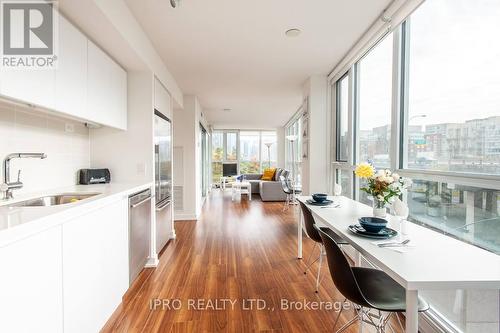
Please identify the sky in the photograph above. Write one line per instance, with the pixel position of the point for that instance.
(454, 65)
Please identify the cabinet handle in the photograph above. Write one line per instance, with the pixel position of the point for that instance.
(163, 206)
(140, 202)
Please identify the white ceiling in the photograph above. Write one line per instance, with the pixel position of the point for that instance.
(234, 53)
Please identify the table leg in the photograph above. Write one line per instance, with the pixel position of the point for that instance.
(299, 237)
(411, 311)
(249, 192)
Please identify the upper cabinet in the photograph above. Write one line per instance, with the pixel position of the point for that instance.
(71, 73)
(163, 102)
(107, 89)
(35, 86)
(86, 83)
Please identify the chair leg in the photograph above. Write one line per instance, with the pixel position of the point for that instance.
(308, 264)
(338, 316)
(348, 324)
(285, 206)
(384, 322)
(400, 324)
(319, 267)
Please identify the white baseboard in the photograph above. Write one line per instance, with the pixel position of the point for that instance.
(185, 217)
(152, 262)
(173, 235)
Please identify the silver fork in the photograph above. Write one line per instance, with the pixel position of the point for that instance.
(333, 206)
(403, 243)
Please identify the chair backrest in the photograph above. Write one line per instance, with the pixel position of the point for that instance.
(284, 185)
(309, 223)
(340, 270)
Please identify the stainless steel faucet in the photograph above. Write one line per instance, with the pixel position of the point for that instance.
(7, 187)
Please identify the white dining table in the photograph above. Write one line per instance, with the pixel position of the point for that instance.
(433, 261)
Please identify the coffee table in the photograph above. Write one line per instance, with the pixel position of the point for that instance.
(241, 188)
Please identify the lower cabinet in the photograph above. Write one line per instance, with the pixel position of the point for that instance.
(95, 267)
(69, 278)
(31, 284)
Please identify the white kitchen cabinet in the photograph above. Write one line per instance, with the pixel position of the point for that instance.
(86, 82)
(95, 267)
(119, 95)
(162, 100)
(107, 89)
(98, 81)
(35, 86)
(71, 73)
(31, 284)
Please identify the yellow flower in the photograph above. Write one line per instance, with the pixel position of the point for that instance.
(364, 170)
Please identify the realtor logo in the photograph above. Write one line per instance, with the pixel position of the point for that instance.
(28, 34)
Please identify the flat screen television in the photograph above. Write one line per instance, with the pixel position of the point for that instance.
(229, 169)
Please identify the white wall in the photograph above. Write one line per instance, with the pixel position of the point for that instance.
(186, 139)
(129, 154)
(24, 130)
(315, 167)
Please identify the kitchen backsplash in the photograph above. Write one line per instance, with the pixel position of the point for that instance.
(65, 142)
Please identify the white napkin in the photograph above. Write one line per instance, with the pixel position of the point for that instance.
(400, 208)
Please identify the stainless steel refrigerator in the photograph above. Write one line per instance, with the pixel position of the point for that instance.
(163, 179)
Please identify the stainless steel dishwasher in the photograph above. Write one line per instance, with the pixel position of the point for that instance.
(139, 232)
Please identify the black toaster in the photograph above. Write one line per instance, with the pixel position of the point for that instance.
(94, 176)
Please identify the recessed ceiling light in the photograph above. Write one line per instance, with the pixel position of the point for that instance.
(293, 32)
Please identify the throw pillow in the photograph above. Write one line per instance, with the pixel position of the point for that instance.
(277, 174)
(268, 174)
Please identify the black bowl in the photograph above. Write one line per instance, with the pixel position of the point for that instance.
(319, 197)
(372, 224)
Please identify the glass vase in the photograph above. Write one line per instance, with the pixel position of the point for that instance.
(379, 208)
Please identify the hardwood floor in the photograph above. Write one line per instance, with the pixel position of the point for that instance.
(235, 252)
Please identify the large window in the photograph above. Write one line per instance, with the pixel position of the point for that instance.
(375, 91)
(269, 152)
(246, 148)
(249, 152)
(444, 92)
(294, 150)
(231, 146)
(454, 87)
(217, 155)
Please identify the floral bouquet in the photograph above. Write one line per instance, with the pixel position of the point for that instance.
(383, 185)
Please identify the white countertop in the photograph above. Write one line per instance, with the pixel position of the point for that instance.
(20, 222)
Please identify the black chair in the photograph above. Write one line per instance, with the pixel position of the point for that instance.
(365, 287)
(312, 233)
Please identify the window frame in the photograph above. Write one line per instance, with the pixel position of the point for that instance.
(338, 117)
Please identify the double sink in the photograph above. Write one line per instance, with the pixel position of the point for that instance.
(53, 200)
